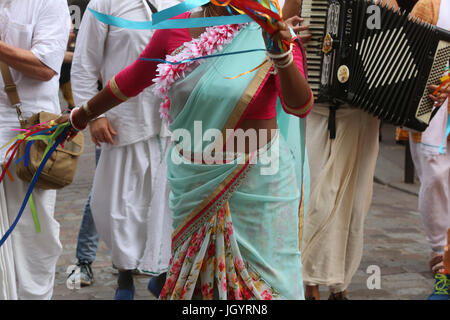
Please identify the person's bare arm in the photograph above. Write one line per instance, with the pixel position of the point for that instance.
(99, 104)
(25, 62)
(294, 87)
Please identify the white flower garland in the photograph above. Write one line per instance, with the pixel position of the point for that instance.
(209, 42)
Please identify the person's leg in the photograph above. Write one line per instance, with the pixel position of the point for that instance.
(125, 285)
(87, 240)
(335, 177)
(86, 247)
(319, 148)
(114, 214)
(312, 291)
(8, 287)
(35, 254)
(434, 208)
(157, 251)
(87, 237)
(434, 199)
(367, 146)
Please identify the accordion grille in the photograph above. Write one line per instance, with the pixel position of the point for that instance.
(439, 63)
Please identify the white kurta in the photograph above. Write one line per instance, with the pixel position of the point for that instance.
(103, 51)
(27, 257)
(38, 26)
(130, 193)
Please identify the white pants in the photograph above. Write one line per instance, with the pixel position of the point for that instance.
(28, 259)
(342, 173)
(130, 205)
(434, 193)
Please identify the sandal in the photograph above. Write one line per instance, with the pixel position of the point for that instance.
(338, 295)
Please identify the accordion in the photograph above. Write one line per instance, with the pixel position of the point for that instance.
(375, 58)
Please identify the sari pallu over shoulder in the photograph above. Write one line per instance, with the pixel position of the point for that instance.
(208, 261)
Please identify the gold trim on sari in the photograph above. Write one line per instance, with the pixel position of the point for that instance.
(116, 90)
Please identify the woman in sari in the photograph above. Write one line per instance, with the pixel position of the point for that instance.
(236, 220)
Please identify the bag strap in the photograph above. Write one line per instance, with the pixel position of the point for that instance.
(152, 7)
(11, 88)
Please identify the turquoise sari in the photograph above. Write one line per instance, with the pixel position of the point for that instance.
(238, 223)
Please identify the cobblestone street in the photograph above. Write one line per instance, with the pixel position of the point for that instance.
(394, 241)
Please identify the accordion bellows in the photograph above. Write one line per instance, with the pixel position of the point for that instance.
(375, 58)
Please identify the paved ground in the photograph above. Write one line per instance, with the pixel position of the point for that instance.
(394, 241)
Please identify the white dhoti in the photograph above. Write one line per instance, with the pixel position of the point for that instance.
(433, 170)
(342, 173)
(130, 205)
(28, 258)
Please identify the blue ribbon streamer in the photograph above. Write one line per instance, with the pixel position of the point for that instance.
(170, 24)
(26, 156)
(202, 57)
(447, 133)
(58, 141)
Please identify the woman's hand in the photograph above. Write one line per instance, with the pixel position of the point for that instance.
(79, 119)
(63, 118)
(102, 131)
(441, 96)
(282, 33)
(295, 23)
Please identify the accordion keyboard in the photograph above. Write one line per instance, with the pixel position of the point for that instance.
(314, 13)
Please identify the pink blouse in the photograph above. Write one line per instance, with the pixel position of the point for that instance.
(139, 75)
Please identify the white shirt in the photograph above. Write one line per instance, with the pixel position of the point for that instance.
(103, 50)
(42, 27)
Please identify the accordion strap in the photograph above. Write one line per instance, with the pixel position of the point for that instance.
(332, 120)
(10, 88)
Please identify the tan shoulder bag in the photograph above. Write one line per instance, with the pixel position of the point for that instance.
(60, 168)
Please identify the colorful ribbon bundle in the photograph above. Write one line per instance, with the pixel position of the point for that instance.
(266, 13)
(54, 135)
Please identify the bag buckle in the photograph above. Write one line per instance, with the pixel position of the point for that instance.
(19, 112)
